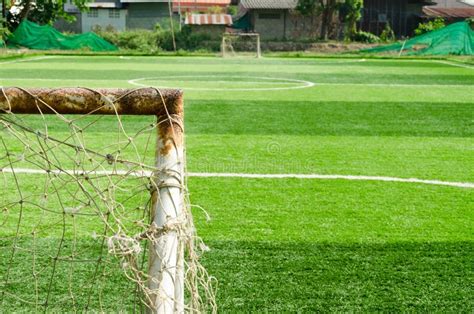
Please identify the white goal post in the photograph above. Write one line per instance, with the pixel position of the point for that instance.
(234, 43)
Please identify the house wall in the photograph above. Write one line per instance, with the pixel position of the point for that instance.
(300, 27)
(270, 24)
(402, 15)
(145, 15)
(115, 18)
(284, 24)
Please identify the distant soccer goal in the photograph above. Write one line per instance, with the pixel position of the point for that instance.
(241, 44)
(94, 208)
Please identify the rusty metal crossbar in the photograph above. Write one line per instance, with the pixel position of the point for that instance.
(142, 101)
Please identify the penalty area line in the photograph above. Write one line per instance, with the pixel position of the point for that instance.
(27, 59)
(455, 64)
(143, 173)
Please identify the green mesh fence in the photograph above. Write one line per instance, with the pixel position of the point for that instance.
(455, 39)
(34, 36)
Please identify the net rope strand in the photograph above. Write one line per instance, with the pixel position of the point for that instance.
(75, 235)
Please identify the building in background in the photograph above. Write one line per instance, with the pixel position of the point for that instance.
(273, 20)
(213, 25)
(403, 16)
(200, 6)
(450, 10)
(118, 15)
(136, 14)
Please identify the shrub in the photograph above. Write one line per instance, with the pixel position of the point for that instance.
(4, 32)
(139, 40)
(232, 10)
(215, 10)
(430, 26)
(387, 34)
(159, 39)
(366, 37)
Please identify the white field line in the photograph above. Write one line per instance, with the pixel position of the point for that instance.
(454, 64)
(56, 79)
(262, 83)
(27, 59)
(144, 173)
(237, 82)
(394, 85)
(276, 81)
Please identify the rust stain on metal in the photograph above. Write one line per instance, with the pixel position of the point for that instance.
(170, 133)
(143, 101)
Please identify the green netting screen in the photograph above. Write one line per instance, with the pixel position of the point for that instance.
(454, 39)
(34, 36)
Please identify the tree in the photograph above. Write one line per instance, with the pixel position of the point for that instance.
(41, 11)
(307, 7)
(328, 9)
(323, 8)
(351, 13)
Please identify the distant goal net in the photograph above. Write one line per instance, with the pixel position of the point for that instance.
(241, 44)
(94, 208)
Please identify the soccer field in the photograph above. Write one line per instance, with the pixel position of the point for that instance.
(332, 184)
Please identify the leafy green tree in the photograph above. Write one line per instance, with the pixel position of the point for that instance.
(387, 34)
(41, 11)
(351, 13)
(4, 32)
(323, 8)
(307, 7)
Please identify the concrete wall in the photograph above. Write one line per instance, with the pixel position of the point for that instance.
(283, 24)
(73, 27)
(105, 18)
(146, 15)
(299, 27)
(270, 24)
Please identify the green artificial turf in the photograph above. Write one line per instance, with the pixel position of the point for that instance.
(282, 245)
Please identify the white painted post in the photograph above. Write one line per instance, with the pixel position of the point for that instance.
(259, 52)
(223, 43)
(166, 261)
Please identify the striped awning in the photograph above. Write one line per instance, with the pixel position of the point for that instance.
(198, 5)
(208, 19)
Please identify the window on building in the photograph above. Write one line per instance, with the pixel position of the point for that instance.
(269, 16)
(93, 13)
(382, 18)
(114, 13)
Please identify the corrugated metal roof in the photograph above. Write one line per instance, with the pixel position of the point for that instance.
(451, 4)
(448, 12)
(198, 5)
(208, 19)
(269, 4)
